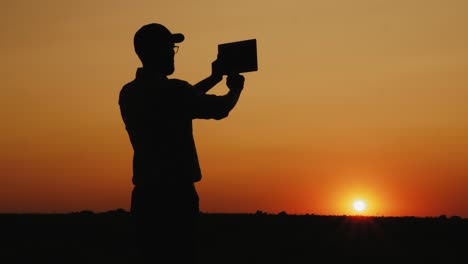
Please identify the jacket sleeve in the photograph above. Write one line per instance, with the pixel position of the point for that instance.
(199, 105)
(207, 106)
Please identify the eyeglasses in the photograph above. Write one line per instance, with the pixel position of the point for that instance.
(176, 49)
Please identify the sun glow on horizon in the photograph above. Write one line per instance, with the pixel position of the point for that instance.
(359, 206)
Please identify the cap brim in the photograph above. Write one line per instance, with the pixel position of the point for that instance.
(178, 37)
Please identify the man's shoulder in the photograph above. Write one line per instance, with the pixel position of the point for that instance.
(128, 86)
(127, 90)
(177, 83)
(182, 88)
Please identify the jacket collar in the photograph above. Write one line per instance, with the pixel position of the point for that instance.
(143, 74)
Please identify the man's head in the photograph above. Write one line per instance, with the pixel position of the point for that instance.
(154, 45)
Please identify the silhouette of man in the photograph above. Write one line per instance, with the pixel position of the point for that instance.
(158, 113)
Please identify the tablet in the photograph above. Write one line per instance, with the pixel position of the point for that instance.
(238, 57)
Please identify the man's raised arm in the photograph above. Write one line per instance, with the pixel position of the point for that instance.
(207, 106)
(216, 76)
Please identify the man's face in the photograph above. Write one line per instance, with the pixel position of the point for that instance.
(161, 57)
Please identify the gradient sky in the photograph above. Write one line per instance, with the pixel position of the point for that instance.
(353, 99)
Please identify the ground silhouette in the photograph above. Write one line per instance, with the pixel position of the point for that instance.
(87, 237)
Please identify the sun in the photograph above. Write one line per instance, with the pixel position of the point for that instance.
(359, 206)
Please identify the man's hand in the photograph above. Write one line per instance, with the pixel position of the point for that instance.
(216, 70)
(235, 82)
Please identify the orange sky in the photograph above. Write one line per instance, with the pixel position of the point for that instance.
(353, 99)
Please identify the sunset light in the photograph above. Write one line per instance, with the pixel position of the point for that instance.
(218, 131)
(359, 206)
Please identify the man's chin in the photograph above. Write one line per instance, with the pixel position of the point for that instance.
(170, 71)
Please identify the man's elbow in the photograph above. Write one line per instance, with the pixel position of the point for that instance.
(221, 115)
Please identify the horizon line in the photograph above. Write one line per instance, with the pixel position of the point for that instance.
(258, 213)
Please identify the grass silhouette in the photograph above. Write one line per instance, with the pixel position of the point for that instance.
(88, 237)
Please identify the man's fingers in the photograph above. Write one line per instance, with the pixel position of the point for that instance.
(235, 81)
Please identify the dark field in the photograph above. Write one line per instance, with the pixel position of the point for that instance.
(241, 238)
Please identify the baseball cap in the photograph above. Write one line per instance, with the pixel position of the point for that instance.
(154, 34)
